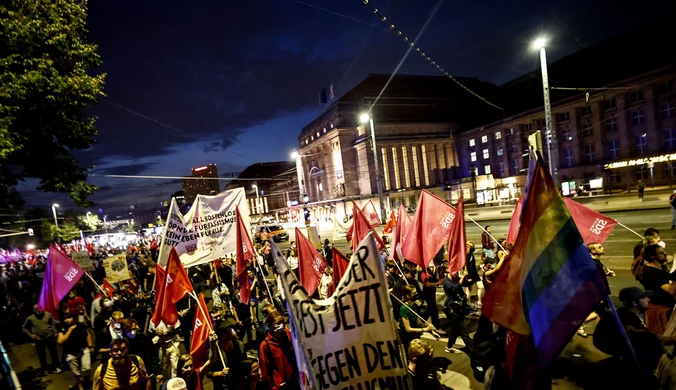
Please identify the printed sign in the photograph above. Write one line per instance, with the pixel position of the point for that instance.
(82, 259)
(348, 341)
(116, 268)
(207, 231)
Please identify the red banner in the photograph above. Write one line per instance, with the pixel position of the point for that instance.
(174, 286)
(200, 334)
(311, 263)
(593, 226)
(457, 249)
(514, 223)
(245, 252)
(400, 229)
(361, 228)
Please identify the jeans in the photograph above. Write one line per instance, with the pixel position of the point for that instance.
(459, 328)
(79, 364)
(49, 344)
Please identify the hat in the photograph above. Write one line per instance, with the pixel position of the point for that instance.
(631, 294)
(175, 384)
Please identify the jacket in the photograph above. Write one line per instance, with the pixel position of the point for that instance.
(277, 360)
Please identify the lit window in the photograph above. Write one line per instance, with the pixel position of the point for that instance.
(395, 163)
(472, 156)
(590, 153)
(416, 171)
(324, 130)
(312, 138)
(670, 140)
(487, 169)
(486, 153)
(587, 130)
(306, 141)
(425, 166)
(471, 142)
(611, 123)
(407, 174)
(484, 139)
(641, 144)
(500, 152)
(386, 168)
(614, 148)
(498, 135)
(317, 134)
(637, 118)
(331, 125)
(501, 168)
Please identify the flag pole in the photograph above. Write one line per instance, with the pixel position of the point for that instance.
(211, 328)
(490, 235)
(626, 227)
(96, 284)
(625, 338)
(263, 276)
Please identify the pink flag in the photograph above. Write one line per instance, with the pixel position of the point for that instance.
(400, 229)
(593, 226)
(361, 228)
(369, 211)
(60, 277)
(457, 249)
(430, 228)
(311, 263)
(514, 223)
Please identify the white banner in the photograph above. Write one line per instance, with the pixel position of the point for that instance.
(82, 259)
(207, 231)
(350, 340)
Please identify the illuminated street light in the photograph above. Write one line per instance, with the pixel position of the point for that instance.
(294, 155)
(56, 222)
(363, 118)
(539, 43)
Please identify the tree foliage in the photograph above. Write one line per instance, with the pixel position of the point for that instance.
(66, 232)
(45, 92)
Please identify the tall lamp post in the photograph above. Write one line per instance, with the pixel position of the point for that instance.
(56, 221)
(539, 44)
(363, 118)
(255, 186)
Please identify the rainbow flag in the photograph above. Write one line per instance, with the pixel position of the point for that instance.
(550, 283)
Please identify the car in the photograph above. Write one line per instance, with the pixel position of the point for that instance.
(277, 232)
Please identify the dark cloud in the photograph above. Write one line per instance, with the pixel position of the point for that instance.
(130, 169)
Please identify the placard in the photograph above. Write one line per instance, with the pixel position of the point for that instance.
(82, 259)
(116, 268)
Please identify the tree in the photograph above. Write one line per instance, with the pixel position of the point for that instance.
(49, 232)
(45, 92)
(66, 232)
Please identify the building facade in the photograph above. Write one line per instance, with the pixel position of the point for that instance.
(207, 186)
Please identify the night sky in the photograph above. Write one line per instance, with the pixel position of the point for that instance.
(235, 81)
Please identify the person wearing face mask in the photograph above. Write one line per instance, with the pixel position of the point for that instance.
(40, 327)
(194, 376)
(77, 345)
(142, 346)
(234, 353)
(120, 303)
(278, 361)
(103, 317)
(113, 331)
(410, 326)
(122, 370)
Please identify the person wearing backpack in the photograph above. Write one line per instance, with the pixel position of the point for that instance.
(122, 370)
(277, 359)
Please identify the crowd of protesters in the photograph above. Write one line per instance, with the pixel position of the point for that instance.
(106, 341)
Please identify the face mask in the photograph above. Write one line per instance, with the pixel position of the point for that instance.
(108, 303)
(119, 361)
(279, 328)
(39, 315)
(80, 318)
(117, 326)
(116, 298)
(131, 334)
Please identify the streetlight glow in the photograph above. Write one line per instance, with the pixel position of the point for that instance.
(539, 43)
(364, 117)
(55, 205)
(294, 155)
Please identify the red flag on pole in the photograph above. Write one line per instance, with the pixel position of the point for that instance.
(199, 348)
(457, 249)
(107, 287)
(60, 277)
(430, 228)
(245, 252)
(340, 263)
(371, 215)
(593, 226)
(172, 289)
(400, 230)
(361, 228)
(515, 222)
(390, 223)
(311, 263)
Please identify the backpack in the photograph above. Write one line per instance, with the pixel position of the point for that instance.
(142, 374)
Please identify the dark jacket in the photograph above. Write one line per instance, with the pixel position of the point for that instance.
(278, 362)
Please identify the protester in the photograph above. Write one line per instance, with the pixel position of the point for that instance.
(487, 243)
(77, 345)
(252, 379)
(650, 236)
(420, 369)
(456, 309)
(325, 283)
(75, 304)
(473, 276)
(672, 203)
(193, 376)
(327, 253)
(431, 281)
(122, 370)
(278, 361)
(657, 279)
(41, 328)
(410, 325)
(114, 330)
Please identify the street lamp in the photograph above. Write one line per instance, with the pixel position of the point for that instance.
(539, 44)
(255, 186)
(56, 222)
(363, 118)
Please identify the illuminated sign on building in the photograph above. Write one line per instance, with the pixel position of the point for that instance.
(641, 161)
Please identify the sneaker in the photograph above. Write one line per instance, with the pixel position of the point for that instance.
(453, 350)
(57, 371)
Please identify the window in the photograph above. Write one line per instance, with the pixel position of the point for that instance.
(325, 130)
(512, 146)
(614, 148)
(317, 134)
(486, 154)
(472, 156)
(637, 118)
(641, 144)
(611, 123)
(515, 167)
(590, 153)
(670, 140)
(666, 88)
(565, 133)
(395, 164)
(487, 169)
(586, 110)
(568, 156)
(636, 96)
(498, 135)
(425, 166)
(642, 173)
(667, 110)
(416, 171)
(615, 177)
(609, 104)
(564, 116)
(312, 138)
(587, 130)
(471, 142)
(484, 139)
(501, 169)
(500, 152)
(386, 168)
(306, 141)
(404, 159)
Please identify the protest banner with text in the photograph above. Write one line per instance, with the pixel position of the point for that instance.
(348, 341)
(82, 259)
(207, 231)
(116, 268)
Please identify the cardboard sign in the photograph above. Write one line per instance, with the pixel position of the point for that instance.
(116, 268)
(82, 259)
(349, 340)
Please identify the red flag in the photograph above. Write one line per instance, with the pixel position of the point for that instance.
(107, 287)
(245, 252)
(199, 348)
(175, 285)
(153, 244)
(361, 228)
(430, 228)
(160, 274)
(390, 223)
(311, 263)
(593, 226)
(131, 285)
(371, 215)
(514, 222)
(60, 277)
(457, 249)
(340, 263)
(400, 230)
